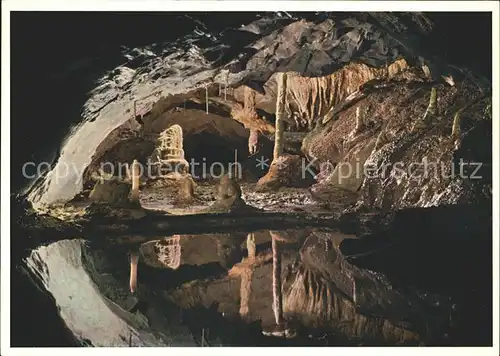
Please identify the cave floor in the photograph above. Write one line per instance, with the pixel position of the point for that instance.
(285, 200)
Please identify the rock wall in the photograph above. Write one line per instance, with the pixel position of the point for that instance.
(387, 165)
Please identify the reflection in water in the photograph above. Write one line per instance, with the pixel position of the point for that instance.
(318, 292)
(282, 280)
(246, 276)
(277, 297)
(134, 260)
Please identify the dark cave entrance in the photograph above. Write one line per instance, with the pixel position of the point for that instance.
(211, 155)
(213, 142)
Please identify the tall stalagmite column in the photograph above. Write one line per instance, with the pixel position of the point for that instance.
(135, 173)
(280, 113)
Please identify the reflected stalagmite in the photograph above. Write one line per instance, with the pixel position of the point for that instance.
(246, 277)
(277, 293)
(134, 260)
(170, 252)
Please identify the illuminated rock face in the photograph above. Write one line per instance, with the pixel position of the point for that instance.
(326, 59)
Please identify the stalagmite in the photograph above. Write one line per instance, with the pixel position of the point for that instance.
(455, 130)
(280, 113)
(277, 294)
(206, 98)
(135, 172)
(449, 80)
(225, 86)
(134, 260)
(427, 71)
(169, 151)
(430, 113)
(432, 108)
(359, 122)
(359, 119)
(382, 139)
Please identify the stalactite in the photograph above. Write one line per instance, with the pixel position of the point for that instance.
(249, 106)
(253, 140)
(314, 98)
(280, 113)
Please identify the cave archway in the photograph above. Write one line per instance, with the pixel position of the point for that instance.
(212, 143)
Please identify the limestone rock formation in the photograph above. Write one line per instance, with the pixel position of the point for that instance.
(388, 165)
